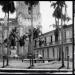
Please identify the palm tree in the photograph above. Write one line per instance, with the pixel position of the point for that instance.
(30, 9)
(12, 37)
(7, 6)
(58, 6)
(31, 4)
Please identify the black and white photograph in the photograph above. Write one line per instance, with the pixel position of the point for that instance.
(36, 37)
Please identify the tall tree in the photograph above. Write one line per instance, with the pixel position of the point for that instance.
(30, 9)
(7, 6)
(58, 6)
(12, 37)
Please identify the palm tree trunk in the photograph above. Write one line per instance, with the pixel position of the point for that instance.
(58, 40)
(2, 42)
(8, 42)
(5, 19)
(55, 21)
(32, 42)
(62, 40)
(65, 14)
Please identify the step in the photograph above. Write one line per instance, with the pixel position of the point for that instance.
(34, 70)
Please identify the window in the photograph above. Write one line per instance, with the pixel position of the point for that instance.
(51, 39)
(64, 35)
(45, 41)
(53, 53)
(66, 52)
(48, 52)
(35, 43)
(56, 32)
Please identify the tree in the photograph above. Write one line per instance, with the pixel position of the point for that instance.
(30, 9)
(13, 36)
(7, 6)
(57, 14)
(36, 33)
(58, 6)
(22, 40)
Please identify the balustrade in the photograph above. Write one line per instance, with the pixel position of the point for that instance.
(69, 40)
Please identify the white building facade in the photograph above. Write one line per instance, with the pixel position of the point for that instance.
(51, 49)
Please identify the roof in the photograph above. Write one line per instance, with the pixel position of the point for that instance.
(67, 26)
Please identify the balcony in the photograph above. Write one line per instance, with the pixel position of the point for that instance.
(68, 40)
(53, 43)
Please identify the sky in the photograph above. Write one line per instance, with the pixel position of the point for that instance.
(46, 15)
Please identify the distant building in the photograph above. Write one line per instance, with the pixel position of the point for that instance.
(23, 23)
(24, 16)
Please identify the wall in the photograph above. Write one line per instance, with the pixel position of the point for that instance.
(53, 50)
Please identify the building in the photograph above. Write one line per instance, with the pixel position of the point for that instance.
(24, 16)
(51, 48)
(23, 24)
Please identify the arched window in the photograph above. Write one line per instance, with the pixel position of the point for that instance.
(53, 53)
(66, 52)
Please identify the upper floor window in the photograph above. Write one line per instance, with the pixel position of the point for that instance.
(51, 38)
(56, 33)
(64, 35)
(45, 41)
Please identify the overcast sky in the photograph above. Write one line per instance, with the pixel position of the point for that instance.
(46, 15)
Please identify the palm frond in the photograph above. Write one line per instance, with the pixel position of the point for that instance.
(31, 2)
(53, 5)
(7, 6)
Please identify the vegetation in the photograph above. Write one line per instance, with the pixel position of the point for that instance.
(58, 5)
(7, 6)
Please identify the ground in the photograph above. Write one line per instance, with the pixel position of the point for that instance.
(17, 63)
(52, 66)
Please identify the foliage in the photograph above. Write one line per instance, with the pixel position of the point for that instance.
(41, 42)
(12, 37)
(22, 40)
(58, 3)
(36, 33)
(31, 3)
(7, 6)
(58, 11)
(57, 6)
(66, 18)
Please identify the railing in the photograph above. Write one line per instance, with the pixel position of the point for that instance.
(65, 41)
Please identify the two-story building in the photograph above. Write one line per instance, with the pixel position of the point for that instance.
(51, 48)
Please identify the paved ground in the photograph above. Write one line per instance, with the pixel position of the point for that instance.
(37, 73)
(52, 65)
(18, 64)
(48, 65)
